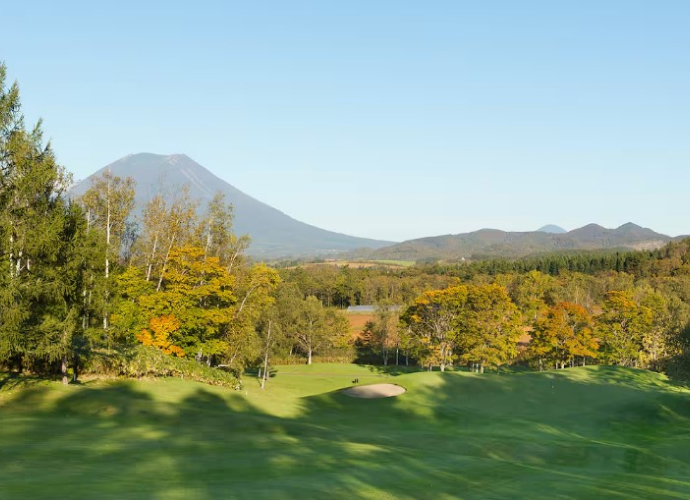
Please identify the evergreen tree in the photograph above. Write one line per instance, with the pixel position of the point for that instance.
(40, 272)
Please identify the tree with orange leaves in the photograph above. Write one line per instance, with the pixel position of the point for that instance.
(158, 334)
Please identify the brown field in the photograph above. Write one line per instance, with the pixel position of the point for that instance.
(355, 264)
(357, 322)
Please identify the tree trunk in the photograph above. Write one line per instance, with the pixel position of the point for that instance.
(264, 377)
(11, 253)
(481, 368)
(165, 263)
(63, 369)
(396, 357)
(443, 367)
(149, 266)
(309, 360)
(107, 261)
(268, 346)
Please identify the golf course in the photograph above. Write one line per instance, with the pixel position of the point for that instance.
(593, 432)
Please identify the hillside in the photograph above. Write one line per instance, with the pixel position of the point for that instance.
(273, 233)
(493, 243)
(582, 433)
(552, 228)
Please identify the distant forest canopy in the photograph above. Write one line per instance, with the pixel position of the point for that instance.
(629, 308)
(663, 261)
(343, 286)
(83, 289)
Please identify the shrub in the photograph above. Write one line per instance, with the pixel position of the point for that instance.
(145, 361)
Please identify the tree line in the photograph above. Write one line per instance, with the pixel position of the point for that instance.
(82, 287)
(544, 321)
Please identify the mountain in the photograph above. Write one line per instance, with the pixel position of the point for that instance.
(552, 229)
(492, 243)
(273, 233)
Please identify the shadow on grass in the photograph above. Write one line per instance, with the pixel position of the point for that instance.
(450, 436)
(12, 381)
(392, 370)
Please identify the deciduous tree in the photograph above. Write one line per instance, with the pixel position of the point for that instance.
(622, 326)
(564, 333)
(488, 327)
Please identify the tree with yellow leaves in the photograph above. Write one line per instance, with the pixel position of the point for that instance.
(622, 327)
(488, 328)
(433, 321)
(565, 333)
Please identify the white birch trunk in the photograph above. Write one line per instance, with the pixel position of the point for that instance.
(165, 264)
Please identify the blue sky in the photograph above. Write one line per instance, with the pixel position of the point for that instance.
(384, 119)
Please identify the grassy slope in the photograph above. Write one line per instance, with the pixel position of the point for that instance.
(597, 433)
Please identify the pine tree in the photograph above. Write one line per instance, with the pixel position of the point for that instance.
(38, 242)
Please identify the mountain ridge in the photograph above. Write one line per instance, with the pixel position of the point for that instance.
(495, 243)
(273, 233)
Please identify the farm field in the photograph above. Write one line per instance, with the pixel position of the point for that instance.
(358, 321)
(594, 432)
(357, 264)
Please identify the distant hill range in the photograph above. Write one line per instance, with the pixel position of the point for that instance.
(273, 233)
(492, 243)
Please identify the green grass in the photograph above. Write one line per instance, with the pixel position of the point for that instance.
(586, 433)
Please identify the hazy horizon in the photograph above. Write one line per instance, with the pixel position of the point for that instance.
(390, 121)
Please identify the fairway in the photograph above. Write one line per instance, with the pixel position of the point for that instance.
(586, 433)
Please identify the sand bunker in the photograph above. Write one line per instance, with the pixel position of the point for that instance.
(374, 391)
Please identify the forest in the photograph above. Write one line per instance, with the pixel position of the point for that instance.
(87, 286)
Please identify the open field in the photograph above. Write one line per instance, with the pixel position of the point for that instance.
(358, 321)
(595, 432)
(361, 263)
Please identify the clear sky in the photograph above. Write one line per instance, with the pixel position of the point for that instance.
(384, 119)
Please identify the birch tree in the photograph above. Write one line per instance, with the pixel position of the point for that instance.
(217, 235)
(318, 328)
(108, 203)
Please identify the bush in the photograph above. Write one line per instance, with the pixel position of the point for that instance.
(143, 361)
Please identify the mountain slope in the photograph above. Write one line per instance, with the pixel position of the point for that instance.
(273, 233)
(552, 228)
(487, 243)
